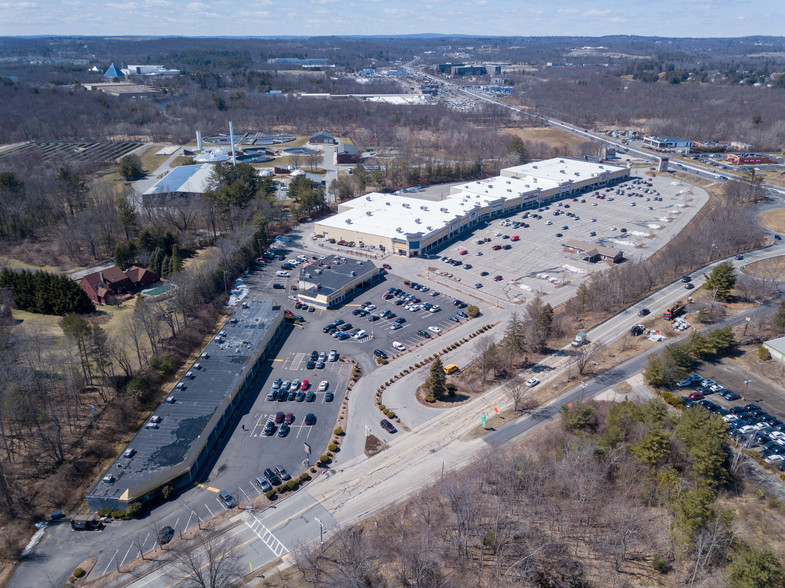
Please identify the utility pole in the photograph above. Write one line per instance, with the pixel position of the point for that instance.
(321, 531)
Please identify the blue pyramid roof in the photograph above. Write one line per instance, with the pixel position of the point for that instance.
(113, 72)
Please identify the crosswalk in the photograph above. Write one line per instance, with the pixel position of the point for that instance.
(266, 536)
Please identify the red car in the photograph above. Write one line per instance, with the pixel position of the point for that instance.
(289, 419)
(462, 252)
(515, 238)
(496, 247)
(696, 396)
(304, 385)
(279, 417)
(387, 266)
(498, 279)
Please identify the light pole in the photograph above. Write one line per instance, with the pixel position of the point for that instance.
(746, 386)
(321, 531)
(442, 467)
(583, 387)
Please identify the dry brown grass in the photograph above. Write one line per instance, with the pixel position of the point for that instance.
(552, 137)
(772, 268)
(774, 220)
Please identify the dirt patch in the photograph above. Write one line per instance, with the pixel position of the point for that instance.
(554, 138)
(774, 220)
(373, 445)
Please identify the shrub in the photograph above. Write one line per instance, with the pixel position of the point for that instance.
(671, 399)
(291, 484)
(332, 447)
(78, 573)
(383, 361)
(167, 492)
(390, 414)
(382, 408)
(305, 476)
(162, 363)
(763, 353)
(338, 431)
(119, 514)
(270, 494)
(134, 510)
(660, 564)
(432, 399)
(325, 458)
(105, 512)
(313, 470)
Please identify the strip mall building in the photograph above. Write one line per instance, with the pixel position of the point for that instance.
(410, 226)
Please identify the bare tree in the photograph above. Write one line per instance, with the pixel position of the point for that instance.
(587, 354)
(518, 392)
(214, 562)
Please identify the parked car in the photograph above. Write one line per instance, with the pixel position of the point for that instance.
(388, 426)
(165, 535)
(310, 419)
(398, 346)
(227, 499)
(531, 382)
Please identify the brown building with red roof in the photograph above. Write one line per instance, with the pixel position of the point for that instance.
(102, 285)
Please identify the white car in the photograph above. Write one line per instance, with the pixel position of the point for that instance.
(323, 385)
(532, 382)
(776, 458)
(434, 329)
(282, 274)
(370, 307)
(360, 334)
(398, 346)
(435, 308)
(548, 223)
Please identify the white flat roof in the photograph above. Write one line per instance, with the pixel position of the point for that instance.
(185, 178)
(561, 169)
(393, 216)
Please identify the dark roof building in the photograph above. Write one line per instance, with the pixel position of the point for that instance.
(594, 253)
(102, 285)
(347, 153)
(328, 282)
(173, 445)
(141, 277)
(322, 138)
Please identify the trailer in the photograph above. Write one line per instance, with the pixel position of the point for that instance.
(86, 522)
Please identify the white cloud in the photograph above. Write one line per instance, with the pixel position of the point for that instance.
(596, 12)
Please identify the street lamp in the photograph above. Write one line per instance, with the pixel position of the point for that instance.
(442, 466)
(746, 386)
(321, 531)
(583, 387)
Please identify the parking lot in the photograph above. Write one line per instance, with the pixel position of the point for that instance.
(633, 220)
(755, 418)
(419, 325)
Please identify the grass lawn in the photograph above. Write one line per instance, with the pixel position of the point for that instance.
(554, 138)
(9, 262)
(151, 161)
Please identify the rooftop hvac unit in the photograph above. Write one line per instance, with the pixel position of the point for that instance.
(429, 228)
(561, 161)
(509, 182)
(423, 208)
(561, 171)
(369, 213)
(387, 203)
(534, 166)
(398, 230)
(368, 198)
(602, 167)
(406, 205)
(417, 220)
(509, 189)
(307, 276)
(348, 221)
(443, 209)
(577, 173)
(318, 271)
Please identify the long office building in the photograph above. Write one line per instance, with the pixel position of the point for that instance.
(411, 226)
(173, 445)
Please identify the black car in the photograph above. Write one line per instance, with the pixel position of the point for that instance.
(292, 395)
(278, 286)
(272, 477)
(388, 426)
(311, 364)
(269, 428)
(227, 499)
(379, 353)
(686, 279)
(400, 320)
(424, 334)
(319, 365)
(310, 419)
(643, 312)
(328, 397)
(284, 430)
(166, 534)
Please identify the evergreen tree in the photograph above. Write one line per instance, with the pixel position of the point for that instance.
(437, 381)
(176, 260)
(131, 168)
(755, 568)
(166, 267)
(722, 279)
(156, 259)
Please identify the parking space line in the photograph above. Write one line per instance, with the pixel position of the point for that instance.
(110, 562)
(240, 488)
(130, 545)
(212, 514)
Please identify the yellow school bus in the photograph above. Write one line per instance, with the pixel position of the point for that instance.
(450, 368)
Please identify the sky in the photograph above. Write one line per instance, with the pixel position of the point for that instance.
(209, 18)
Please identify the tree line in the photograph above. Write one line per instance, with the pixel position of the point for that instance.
(45, 293)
